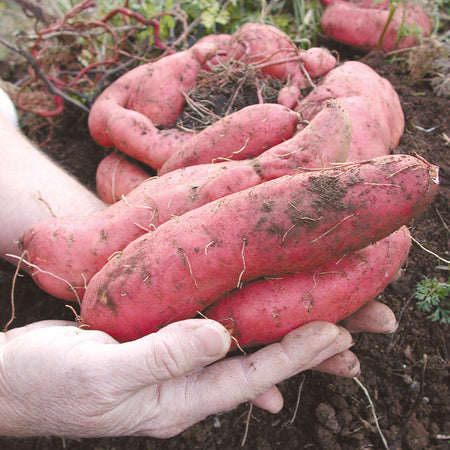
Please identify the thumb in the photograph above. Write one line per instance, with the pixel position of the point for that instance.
(175, 350)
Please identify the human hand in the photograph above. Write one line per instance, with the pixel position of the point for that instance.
(57, 379)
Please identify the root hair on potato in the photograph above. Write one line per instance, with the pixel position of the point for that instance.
(78, 319)
(84, 280)
(41, 199)
(209, 245)
(289, 154)
(113, 178)
(13, 287)
(382, 184)
(149, 229)
(233, 338)
(326, 273)
(239, 283)
(46, 272)
(287, 232)
(332, 228)
(136, 206)
(229, 158)
(307, 76)
(116, 253)
(186, 260)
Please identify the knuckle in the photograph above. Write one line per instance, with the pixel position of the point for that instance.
(167, 359)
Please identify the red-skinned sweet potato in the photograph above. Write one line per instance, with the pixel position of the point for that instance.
(128, 112)
(58, 246)
(282, 226)
(289, 96)
(221, 42)
(243, 134)
(265, 310)
(117, 175)
(310, 148)
(361, 24)
(274, 53)
(370, 100)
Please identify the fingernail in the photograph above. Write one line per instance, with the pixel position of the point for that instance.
(393, 328)
(344, 339)
(209, 340)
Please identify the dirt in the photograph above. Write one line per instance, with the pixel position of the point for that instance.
(405, 375)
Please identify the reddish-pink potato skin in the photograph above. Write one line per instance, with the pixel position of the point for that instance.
(70, 250)
(264, 311)
(243, 134)
(361, 25)
(326, 140)
(60, 245)
(370, 100)
(281, 226)
(127, 113)
(277, 56)
(117, 176)
(289, 96)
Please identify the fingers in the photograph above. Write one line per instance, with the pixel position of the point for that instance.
(271, 400)
(230, 382)
(344, 364)
(374, 317)
(175, 350)
(15, 332)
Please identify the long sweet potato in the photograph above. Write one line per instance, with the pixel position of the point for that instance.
(278, 227)
(59, 246)
(370, 100)
(128, 112)
(265, 310)
(241, 135)
(361, 24)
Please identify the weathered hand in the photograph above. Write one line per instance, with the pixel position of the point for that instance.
(57, 379)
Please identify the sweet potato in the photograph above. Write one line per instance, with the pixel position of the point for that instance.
(265, 310)
(128, 112)
(59, 246)
(241, 135)
(116, 176)
(289, 96)
(372, 103)
(325, 141)
(221, 41)
(274, 53)
(281, 226)
(361, 24)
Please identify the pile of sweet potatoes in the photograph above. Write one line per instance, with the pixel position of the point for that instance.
(274, 215)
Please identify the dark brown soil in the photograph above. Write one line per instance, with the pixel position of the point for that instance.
(406, 374)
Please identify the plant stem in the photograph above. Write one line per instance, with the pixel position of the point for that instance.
(392, 10)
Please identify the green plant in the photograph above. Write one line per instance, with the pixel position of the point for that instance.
(307, 15)
(434, 297)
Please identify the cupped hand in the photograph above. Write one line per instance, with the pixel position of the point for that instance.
(58, 379)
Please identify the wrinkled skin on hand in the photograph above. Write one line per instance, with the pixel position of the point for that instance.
(58, 379)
